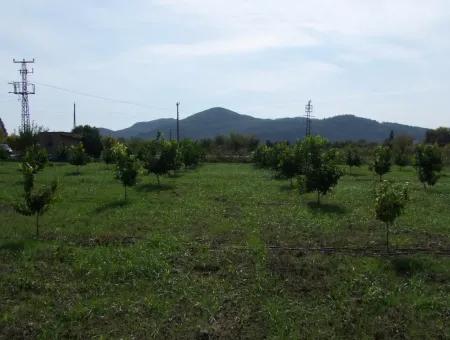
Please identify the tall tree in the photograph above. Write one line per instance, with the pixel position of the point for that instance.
(440, 136)
(77, 156)
(91, 139)
(428, 162)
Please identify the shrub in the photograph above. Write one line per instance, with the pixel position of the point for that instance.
(428, 162)
(389, 203)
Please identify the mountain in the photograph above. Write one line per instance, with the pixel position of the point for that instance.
(219, 121)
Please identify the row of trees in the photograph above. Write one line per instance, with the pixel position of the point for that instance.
(311, 161)
(316, 166)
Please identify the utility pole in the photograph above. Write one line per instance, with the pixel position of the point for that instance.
(308, 111)
(23, 89)
(74, 116)
(178, 122)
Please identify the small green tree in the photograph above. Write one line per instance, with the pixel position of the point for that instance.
(159, 157)
(381, 163)
(352, 158)
(288, 166)
(36, 157)
(127, 169)
(402, 149)
(77, 156)
(428, 162)
(90, 136)
(190, 153)
(36, 200)
(320, 169)
(108, 152)
(389, 203)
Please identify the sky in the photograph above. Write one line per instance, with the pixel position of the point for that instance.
(129, 61)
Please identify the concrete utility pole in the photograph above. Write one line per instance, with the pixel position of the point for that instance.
(74, 116)
(23, 89)
(178, 122)
(308, 111)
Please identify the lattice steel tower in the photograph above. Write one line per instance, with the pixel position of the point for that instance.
(23, 88)
(308, 112)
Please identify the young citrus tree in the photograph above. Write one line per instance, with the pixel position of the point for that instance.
(320, 167)
(381, 163)
(36, 157)
(389, 203)
(36, 200)
(77, 156)
(288, 166)
(108, 152)
(159, 157)
(190, 153)
(428, 162)
(127, 169)
(352, 158)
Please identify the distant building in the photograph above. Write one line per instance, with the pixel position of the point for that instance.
(54, 141)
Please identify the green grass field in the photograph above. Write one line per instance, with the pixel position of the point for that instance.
(190, 259)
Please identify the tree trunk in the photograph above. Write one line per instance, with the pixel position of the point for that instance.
(157, 177)
(387, 237)
(37, 225)
(318, 197)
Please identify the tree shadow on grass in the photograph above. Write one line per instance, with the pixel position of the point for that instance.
(150, 187)
(72, 173)
(287, 187)
(12, 246)
(110, 205)
(326, 208)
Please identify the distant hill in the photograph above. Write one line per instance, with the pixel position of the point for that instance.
(219, 121)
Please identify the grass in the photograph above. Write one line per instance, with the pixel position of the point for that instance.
(189, 259)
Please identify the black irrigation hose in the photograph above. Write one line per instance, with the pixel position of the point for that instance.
(350, 251)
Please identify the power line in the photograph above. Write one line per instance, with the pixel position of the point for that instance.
(85, 94)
